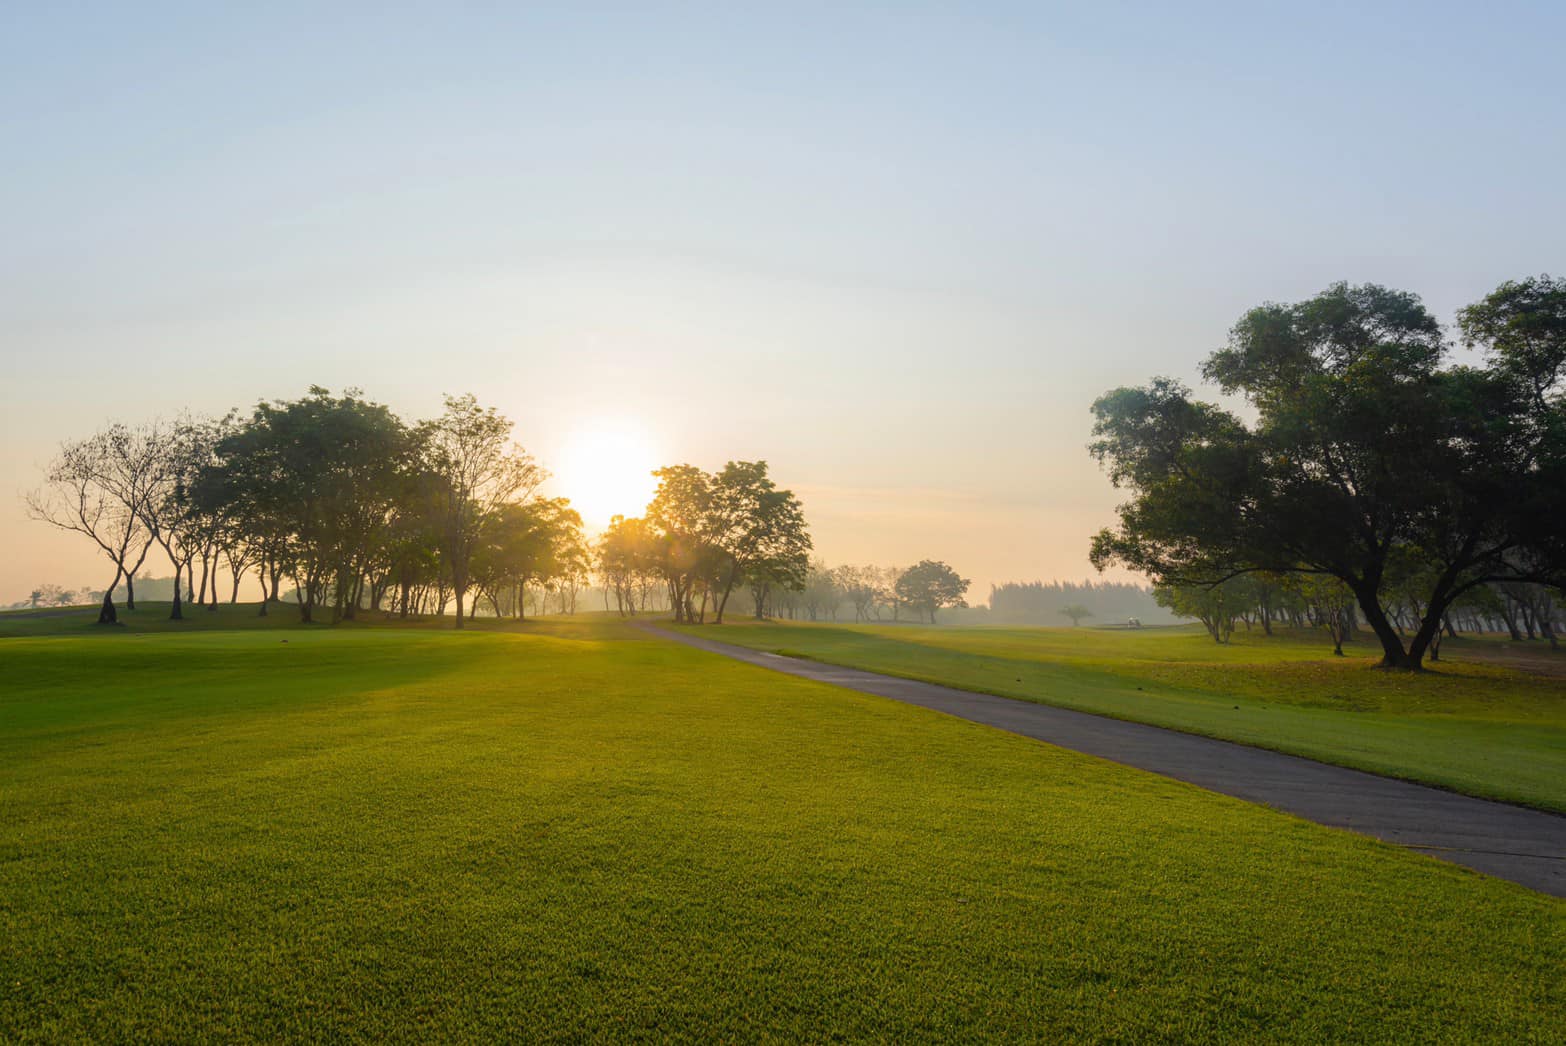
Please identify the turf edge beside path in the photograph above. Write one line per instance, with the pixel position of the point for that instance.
(1510, 842)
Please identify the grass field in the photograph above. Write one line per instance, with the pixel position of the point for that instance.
(574, 830)
(1474, 726)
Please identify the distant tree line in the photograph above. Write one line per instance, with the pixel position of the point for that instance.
(52, 595)
(1376, 474)
(1045, 603)
(637, 560)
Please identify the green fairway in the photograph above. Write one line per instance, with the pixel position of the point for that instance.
(1474, 727)
(576, 830)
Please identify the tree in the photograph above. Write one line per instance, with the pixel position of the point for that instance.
(538, 542)
(627, 560)
(50, 595)
(1076, 612)
(680, 517)
(322, 476)
(1331, 604)
(100, 487)
(930, 585)
(477, 467)
(716, 531)
(1365, 448)
(758, 528)
(821, 594)
(1215, 606)
(172, 514)
(1521, 328)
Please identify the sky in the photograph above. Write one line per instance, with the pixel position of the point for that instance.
(895, 250)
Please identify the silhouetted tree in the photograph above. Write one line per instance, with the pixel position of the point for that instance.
(1364, 444)
(100, 487)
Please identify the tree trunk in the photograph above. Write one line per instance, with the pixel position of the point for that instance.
(727, 589)
(1393, 655)
(175, 611)
(106, 613)
(1510, 618)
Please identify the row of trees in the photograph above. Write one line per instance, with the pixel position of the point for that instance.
(353, 509)
(1373, 465)
(52, 595)
(1044, 603)
(705, 535)
(333, 493)
(637, 563)
(1525, 611)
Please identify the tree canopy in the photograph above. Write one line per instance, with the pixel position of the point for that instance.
(1372, 459)
(929, 585)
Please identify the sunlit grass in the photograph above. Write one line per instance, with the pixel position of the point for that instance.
(1474, 727)
(571, 830)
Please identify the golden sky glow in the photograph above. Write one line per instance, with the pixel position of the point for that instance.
(605, 468)
(896, 257)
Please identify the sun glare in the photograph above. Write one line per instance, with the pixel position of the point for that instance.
(606, 469)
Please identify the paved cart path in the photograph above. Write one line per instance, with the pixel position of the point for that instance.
(1510, 842)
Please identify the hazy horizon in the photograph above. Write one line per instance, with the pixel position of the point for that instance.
(899, 272)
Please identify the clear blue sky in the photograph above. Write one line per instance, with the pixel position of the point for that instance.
(894, 249)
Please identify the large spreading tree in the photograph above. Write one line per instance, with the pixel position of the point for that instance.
(1371, 459)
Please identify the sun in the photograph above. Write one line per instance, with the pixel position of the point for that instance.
(606, 470)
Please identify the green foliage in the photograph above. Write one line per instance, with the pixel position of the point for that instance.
(316, 480)
(716, 531)
(929, 585)
(475, 470)
(538, 541)
(1368, 453)
(629, 562)
(571, 832)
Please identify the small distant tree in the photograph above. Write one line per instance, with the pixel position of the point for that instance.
(49, 595)
(1076, 612)
(929, 585)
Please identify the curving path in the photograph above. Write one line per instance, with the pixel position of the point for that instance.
(1510, 842)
